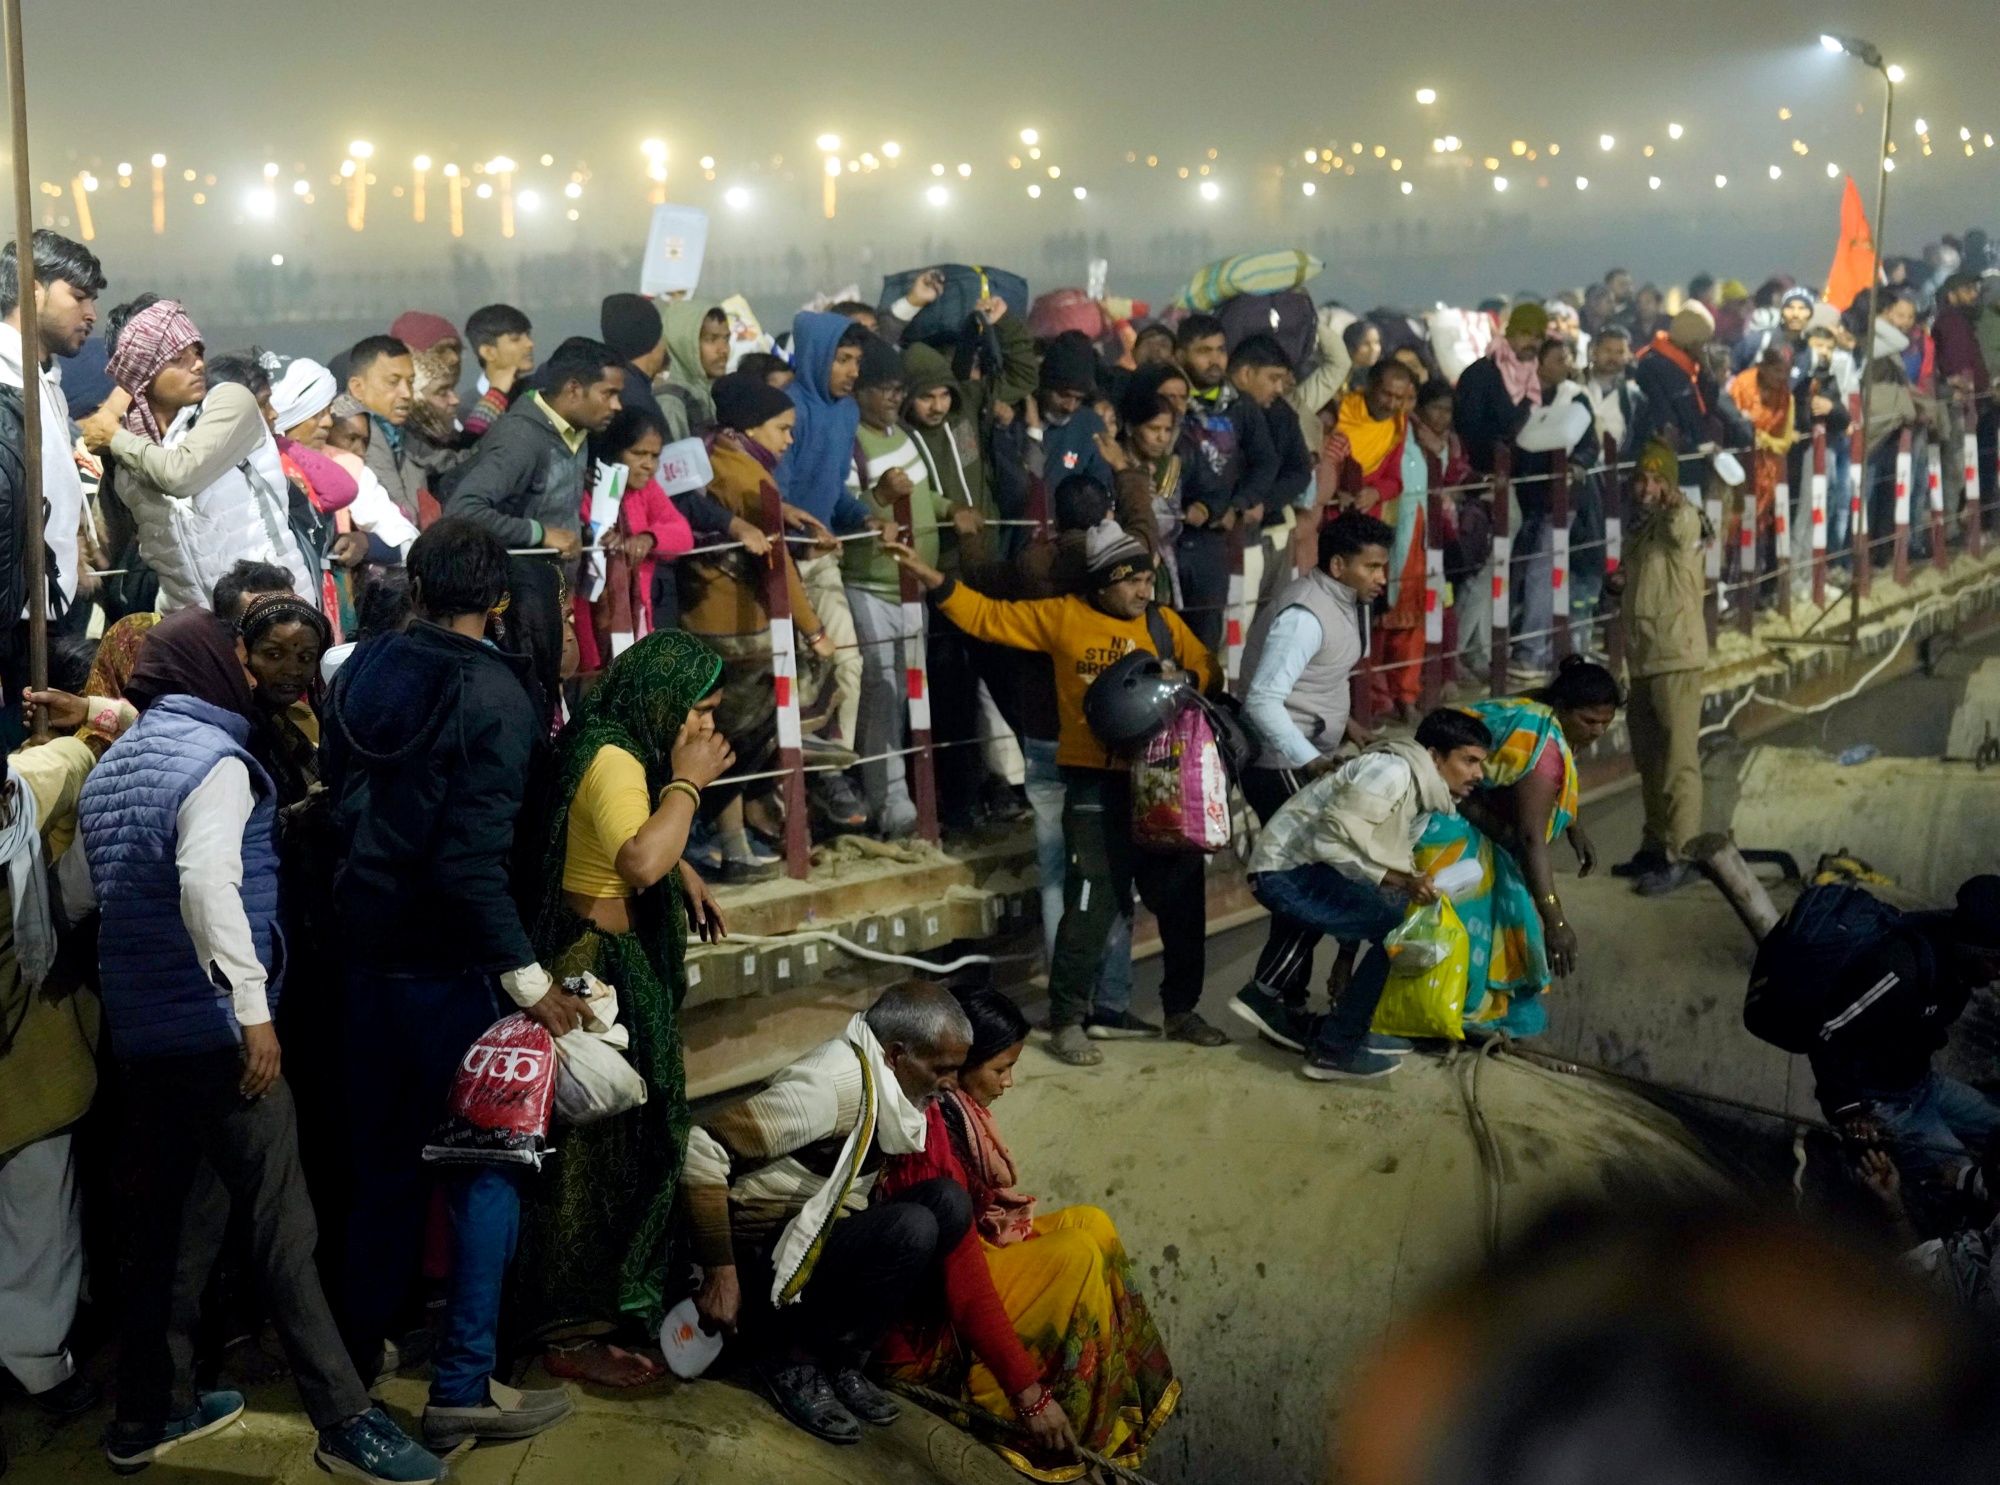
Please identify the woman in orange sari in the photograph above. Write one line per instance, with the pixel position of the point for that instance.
(1763, 394)
(1041, 1322)
(1387, 477)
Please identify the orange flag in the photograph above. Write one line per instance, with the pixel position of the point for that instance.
(1854, 259)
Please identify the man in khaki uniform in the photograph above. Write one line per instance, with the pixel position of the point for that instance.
(1666, 646)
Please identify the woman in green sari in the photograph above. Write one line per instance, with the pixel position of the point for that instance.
(628, 775)
(1520, 938)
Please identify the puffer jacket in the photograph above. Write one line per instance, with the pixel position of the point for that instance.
(212, 495)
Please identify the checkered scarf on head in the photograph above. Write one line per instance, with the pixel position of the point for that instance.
(150, 340)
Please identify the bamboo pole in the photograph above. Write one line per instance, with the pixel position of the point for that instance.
(31, 370)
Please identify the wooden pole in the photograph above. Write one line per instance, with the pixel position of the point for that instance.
(31, 372)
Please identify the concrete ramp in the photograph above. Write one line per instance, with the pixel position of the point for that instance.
(1975, 725)
(1928, 823)
(1278, 1227)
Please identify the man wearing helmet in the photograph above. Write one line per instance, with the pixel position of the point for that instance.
(1085, 635)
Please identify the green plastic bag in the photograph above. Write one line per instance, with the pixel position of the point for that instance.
(1430, 955)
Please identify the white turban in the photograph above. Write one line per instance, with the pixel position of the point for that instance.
(302, 391)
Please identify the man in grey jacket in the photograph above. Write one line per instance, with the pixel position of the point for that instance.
(1299, 660)
(381, 376)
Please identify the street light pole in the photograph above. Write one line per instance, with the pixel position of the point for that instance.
(1869, 55)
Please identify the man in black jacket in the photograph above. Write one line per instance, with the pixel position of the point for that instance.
(430, 740)
(1228, 465)
(1900, 998)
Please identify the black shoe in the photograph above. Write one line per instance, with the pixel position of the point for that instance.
(742, 873)
(1276, 1022)
(1003, 802)
(863, 1398)
(1641, 864)
(1669, 878)
(1117, 1026)
(1189, 1027)
(802, 1393)
(70, 1398)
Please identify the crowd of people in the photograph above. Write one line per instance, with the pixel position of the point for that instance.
(380, 707)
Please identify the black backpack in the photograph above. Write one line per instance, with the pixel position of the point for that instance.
(1795, 1000)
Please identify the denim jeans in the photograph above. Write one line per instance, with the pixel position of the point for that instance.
(1937, 1117)
(1322, 898)
(1045, 799)
(1533, 599)
(405, 1038)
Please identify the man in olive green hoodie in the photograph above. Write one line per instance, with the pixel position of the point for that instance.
(948, 417)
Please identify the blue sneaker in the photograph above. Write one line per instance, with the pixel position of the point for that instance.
(1385, 1045)
(1357, 1066)
(130, 1447)
(369, 1446)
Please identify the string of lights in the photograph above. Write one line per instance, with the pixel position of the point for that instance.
(1658, 156)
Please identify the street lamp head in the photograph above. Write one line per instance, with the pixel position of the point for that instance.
(1864, 52)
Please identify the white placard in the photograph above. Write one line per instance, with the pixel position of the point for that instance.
(675, 244)
(684, 466)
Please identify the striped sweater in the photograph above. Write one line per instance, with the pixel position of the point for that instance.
(752, 1165)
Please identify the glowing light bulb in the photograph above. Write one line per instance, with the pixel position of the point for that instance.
(1079, 193)
(1308, 188)
(1896, 74)
(1408, 188)
(1499, 182)
(737, 197)
(1034, 192)
(1582, 183)
(361, 149)
(1427, 96)
(158, 161)
(277, 260)
(1652, 183)
(828, 142)
(708, 162)
(1721, 181)
(1832, 171)
(1922, 128)
(891, 150)
(1605, 141)
(1831, 43)
(270, 170)
(1776, 172)
(1210, 190)
(422, 162)
(1674, 131)
(937, 195)
(1029, 136)
(964, 171)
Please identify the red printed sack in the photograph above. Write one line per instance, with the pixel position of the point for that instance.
(1180, 790)
(500, 1099)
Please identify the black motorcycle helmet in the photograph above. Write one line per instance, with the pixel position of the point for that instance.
(1133, 700)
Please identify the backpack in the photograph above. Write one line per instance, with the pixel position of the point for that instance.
(939, 322)
(1795, 1000)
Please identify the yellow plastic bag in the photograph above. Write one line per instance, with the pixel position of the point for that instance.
(1430, 956)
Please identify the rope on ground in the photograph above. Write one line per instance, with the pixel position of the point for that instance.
(953, 1409)
(1550, 1062)
(1466, 1067)
(1929, 605)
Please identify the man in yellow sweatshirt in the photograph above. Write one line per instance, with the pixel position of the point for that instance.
(1085, 634)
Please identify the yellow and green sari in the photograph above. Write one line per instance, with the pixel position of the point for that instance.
(1510, 962)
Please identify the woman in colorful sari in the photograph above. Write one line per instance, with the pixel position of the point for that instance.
(1387, 476)
(629, 771)
(1041, 1322)
(1520, 938)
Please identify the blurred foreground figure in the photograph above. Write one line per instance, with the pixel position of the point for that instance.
(1695, 1346)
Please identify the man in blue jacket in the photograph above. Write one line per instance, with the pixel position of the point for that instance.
(826, 362)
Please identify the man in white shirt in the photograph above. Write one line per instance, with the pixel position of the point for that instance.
(178, 827)
(68, 279)
(1339, 856)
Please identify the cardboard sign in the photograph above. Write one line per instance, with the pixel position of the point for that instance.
(674, 247)
(684, 466)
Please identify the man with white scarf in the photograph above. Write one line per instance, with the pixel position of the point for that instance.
(776, 1191)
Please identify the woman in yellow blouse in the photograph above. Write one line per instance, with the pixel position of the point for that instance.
(629, 771)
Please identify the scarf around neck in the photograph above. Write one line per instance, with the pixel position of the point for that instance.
(1003, 1214)
(1517, 373)
(28, 885)
(887, 1117)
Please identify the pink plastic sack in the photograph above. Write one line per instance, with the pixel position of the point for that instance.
(500, 1099)
(1180, 792)
(1060, 310)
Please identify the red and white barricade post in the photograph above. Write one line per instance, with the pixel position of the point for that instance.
(1614, 548)
(1857, 497)
(1503, 552)
(1559, 549)
(1970, 514)
(1781, 532)
(922, 763)
(1903, 508)
(785, 684)
(1818, 516)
